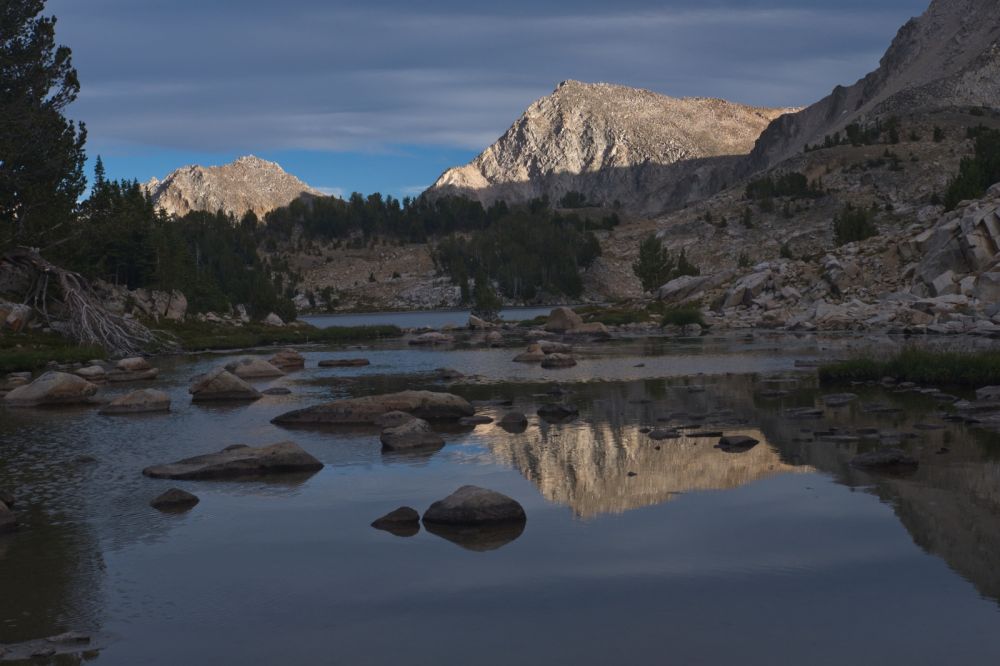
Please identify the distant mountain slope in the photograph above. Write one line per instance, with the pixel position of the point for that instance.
(248, 184)
(948, 57)
(612, 143)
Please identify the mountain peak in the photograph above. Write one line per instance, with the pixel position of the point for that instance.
(610, 142)
(249, 183)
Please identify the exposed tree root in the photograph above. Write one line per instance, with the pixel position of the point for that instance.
(81, 315)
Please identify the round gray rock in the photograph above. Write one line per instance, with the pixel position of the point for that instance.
(471, 505)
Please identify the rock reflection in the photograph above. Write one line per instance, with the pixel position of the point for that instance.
(586, 466)
(480, 539)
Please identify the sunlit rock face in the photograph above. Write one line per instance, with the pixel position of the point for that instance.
(613, 144)
(586, 466)
(249, 184)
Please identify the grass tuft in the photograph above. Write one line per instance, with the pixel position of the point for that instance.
(920, 366)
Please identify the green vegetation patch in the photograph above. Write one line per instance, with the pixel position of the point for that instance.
(30, 352)
(683, 316)
(920, 366)
(200, 336)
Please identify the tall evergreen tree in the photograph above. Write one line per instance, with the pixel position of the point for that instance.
(41, 151)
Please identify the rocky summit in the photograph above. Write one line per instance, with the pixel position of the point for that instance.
(949, 56)
(248, 184)
(613, 143)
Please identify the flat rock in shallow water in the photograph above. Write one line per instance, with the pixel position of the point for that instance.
(175, 500)
(222, 385)
(414, 434)
(240, 461)
(277, 390)
(661, 434)
(890, 459)
(357, 411)
(344, 363)
(52, 388)
(475, 420)
(736, 444)
(138, 402)
(471, 505)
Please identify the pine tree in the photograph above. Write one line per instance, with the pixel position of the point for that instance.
(41, 151)
(654, 265)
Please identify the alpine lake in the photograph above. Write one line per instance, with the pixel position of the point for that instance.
(635, 550)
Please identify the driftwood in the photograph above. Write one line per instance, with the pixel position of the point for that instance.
(81, 314)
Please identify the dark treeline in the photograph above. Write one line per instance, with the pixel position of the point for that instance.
(119, 237)
(528, 252)
(360, 217)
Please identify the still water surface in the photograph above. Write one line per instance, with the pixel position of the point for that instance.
(781, 555)
(426, 318)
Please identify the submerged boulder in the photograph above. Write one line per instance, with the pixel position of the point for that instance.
(222, 385)
(288, 359)
(471, 505)
(138, 402)
(558, 361)
(888, 460)
(253, 368)
(427, 405)
(135, 369)
(52, 388)
(414, 434)
(431, 339)
(344, 363)
(175, 500)
(240, 461)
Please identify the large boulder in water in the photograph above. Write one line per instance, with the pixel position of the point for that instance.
(562, 320)
(138, 402)
(253, 368)
(364, 411)
(409, 436)
(240, 461)
(220, 384)
(52, 388)
(471, 505)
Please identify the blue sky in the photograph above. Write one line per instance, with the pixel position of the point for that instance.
(384, 95)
